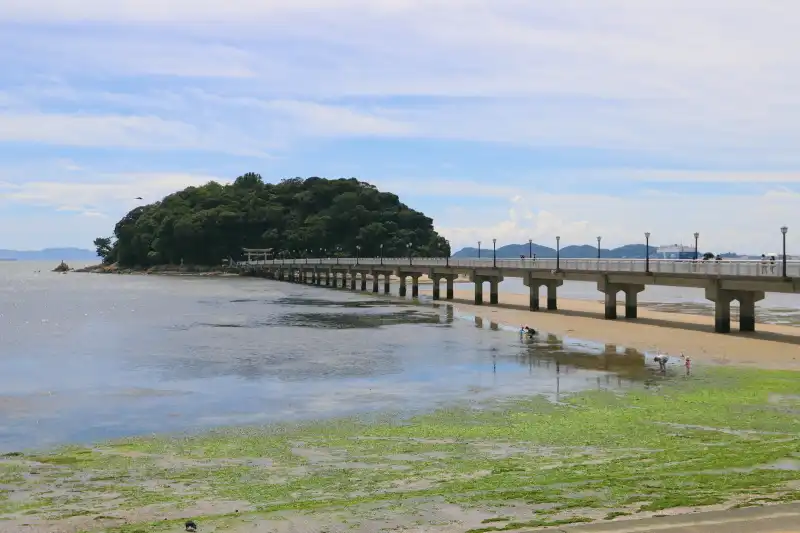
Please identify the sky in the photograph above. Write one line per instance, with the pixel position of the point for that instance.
(506, 119)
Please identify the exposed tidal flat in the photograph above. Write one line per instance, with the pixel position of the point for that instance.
(249, 405)
(722, 437)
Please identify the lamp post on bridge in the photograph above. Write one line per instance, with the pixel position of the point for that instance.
(558, 253)
(647, 252)
(410, 262)
(494, 253)
(358, 253)
(530, 248)
(784, 230)
(381, 254)
(598, 246)
(479, 249)
(696, 236)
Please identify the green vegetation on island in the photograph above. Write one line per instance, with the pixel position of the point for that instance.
(726, 437)
(296, 218)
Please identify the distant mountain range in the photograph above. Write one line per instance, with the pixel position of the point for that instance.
(49, 254)
(586, 251)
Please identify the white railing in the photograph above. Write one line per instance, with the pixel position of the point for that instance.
(754, 268)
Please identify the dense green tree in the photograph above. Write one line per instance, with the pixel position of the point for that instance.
(105, 249)
(297, 217)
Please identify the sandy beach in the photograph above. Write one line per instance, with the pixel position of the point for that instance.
(771, 346)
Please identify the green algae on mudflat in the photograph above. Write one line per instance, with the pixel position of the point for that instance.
(713, 438)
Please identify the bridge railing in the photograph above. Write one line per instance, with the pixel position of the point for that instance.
(753, 268)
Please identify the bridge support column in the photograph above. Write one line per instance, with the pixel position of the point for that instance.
(722, 308)
(631, 300)
(533, 304)
(415, 286)
(478, 290)
(747, 310)
(552, 297)
(611, 305)
(611, 290)
(352, 281)
(387, 278)
(327, 279)
(363, 281)
(436, 288)
(450, 282)
(375, 282)
(494, 297)
(402, 286)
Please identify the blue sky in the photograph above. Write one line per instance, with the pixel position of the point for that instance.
(507, 119)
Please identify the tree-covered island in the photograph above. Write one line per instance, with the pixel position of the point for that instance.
(314, 217)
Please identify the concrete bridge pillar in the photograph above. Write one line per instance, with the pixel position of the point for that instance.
(436, 288)
(478, 290)
(552, 294)
(387, 279)
(328, 278)
(747, 310)
(402, 286)
(610, 290)
(363, 281)
(494, 297)
(415, 286)
(611, 305)
(450, 282)
(534, 285)
(375, 282)
(352, 281)
(722, 308)
(631, 300)
(534, 296)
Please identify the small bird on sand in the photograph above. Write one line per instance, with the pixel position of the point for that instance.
(191, 526)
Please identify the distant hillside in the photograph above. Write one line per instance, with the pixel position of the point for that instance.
(586, 251)
(49, 254)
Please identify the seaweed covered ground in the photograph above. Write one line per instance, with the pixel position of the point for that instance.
(725, 437)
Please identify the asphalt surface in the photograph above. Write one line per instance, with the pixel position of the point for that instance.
(784, 518)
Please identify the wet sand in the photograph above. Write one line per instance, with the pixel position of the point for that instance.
(772, 346)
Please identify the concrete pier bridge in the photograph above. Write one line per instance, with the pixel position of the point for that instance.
(724, 281)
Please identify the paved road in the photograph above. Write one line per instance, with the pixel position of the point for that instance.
(769, 519)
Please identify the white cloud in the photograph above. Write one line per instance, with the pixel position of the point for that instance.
(104, 195)
(742, 223)
(668, 76)
(120, 131)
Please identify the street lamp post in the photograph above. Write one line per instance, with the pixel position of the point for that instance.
(494, 253)
(558, 253)
(409, 253)
(358, 253)
(479, 249)
(598, 246)
(696, 236)
(647, 252)
(381, 253)
(530, 248)
(784, 229)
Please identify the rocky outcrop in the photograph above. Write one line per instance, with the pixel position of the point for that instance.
(63, 267)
